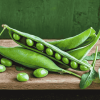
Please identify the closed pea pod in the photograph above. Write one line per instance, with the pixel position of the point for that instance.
(27, 57)
(45, 45)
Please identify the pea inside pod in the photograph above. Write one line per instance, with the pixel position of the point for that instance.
(49, 51)
(65, 60)
(74, 64)
(84, 68)
(16, 36)
(41, 46)
(29, 42)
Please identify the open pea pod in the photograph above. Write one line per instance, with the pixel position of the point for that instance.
(79, 40)
(37, 44)
(81, 52)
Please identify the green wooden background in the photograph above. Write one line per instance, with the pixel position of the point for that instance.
(50, 19)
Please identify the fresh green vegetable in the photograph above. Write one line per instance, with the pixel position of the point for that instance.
(31, 59)
(88, 77)
(16, 36)
(80, 53)
(74, 64)
(6, 62)
(29, 42)
(44, 45)
(40, 46)
(79, 40)
(49, 51)
(65, 60)
(2, 68)
(40, 72)
(57, 56)
(22, 77)
(82, 67)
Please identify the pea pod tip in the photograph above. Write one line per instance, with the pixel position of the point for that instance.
(4, 25)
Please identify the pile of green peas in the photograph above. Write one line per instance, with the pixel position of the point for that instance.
(48, 51)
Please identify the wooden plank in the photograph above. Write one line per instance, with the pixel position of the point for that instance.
(51, 81)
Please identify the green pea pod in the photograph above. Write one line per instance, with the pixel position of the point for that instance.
(31, 59)
(81, 52)
(75, 41)
(58, 54)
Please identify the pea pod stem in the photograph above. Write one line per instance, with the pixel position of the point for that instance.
(94, 61)
(3, 30)
(69, 72)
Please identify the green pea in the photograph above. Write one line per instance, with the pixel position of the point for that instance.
(22, 77)
(29, 42)
(16, 36)
(85, 61)
(40, 72)
(83, 68)
(49, 51)
(40, 46)
(65, 60)
(2, 68)
(74, 64)
(57, 56)
(6, 62)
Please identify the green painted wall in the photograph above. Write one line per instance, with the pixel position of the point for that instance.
(50, 18)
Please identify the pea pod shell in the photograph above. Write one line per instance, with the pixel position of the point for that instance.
(28, 58)
(37, 39)
(75, 41)
(81, 52)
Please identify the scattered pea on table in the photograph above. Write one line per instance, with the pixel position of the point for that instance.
(40, 72)
(22, 77)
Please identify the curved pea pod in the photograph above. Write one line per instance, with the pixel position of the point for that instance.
(31, 59)
(81, 39)
(58, 54)
(81, 52)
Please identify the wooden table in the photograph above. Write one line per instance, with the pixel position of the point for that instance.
(53, 81)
